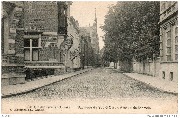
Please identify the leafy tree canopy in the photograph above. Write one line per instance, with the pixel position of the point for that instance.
(131, 30)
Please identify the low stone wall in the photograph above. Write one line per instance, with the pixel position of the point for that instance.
(12, 75)
(125, 66)
(147, 67)
(59, 71)
(19, 79)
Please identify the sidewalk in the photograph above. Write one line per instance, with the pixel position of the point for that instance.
(163, 85)
(11, 90)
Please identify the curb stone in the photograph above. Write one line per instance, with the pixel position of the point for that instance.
(149, 84)
(33, 89)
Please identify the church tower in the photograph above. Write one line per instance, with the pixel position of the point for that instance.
(95, 20)
(96, 39)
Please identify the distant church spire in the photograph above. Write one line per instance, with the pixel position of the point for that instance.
(95, 16)
(95, 20)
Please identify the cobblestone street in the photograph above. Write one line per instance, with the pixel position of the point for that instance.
(99, 83)
(105, 84)
(68, 57)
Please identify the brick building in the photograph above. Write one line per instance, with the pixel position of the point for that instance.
(12, 44)
(45, 25)
(35, 40)
(169, 40)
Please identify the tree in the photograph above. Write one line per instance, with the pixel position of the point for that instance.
(131, 30)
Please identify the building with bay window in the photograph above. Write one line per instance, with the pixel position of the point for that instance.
(169, 40)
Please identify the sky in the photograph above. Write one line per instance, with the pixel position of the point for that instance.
(84, 12)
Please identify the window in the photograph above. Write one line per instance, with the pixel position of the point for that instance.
(169, 34)
(176, 43)
(163, 74)
(168, 53)
(26, 42)
(176, 31)
(168, 57)
(168, 50)
(35, 54)
(176, 48)
(27, 54)
(31, 51)
(171, 76)
(169, 42)
(176, 39)
(176, 57)
(34, 42)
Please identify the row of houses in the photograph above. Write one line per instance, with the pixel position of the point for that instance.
(41, 39)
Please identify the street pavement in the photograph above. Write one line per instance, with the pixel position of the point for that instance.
(99, 86)
(156, 82)
(11, 90)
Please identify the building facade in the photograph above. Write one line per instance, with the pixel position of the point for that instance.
(74, 51)
(92, 30)
(169, 40)
(12, 44)
(45, 27)
(35, 40)
(87, 54)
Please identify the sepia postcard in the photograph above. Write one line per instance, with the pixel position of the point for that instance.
(95, 57)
